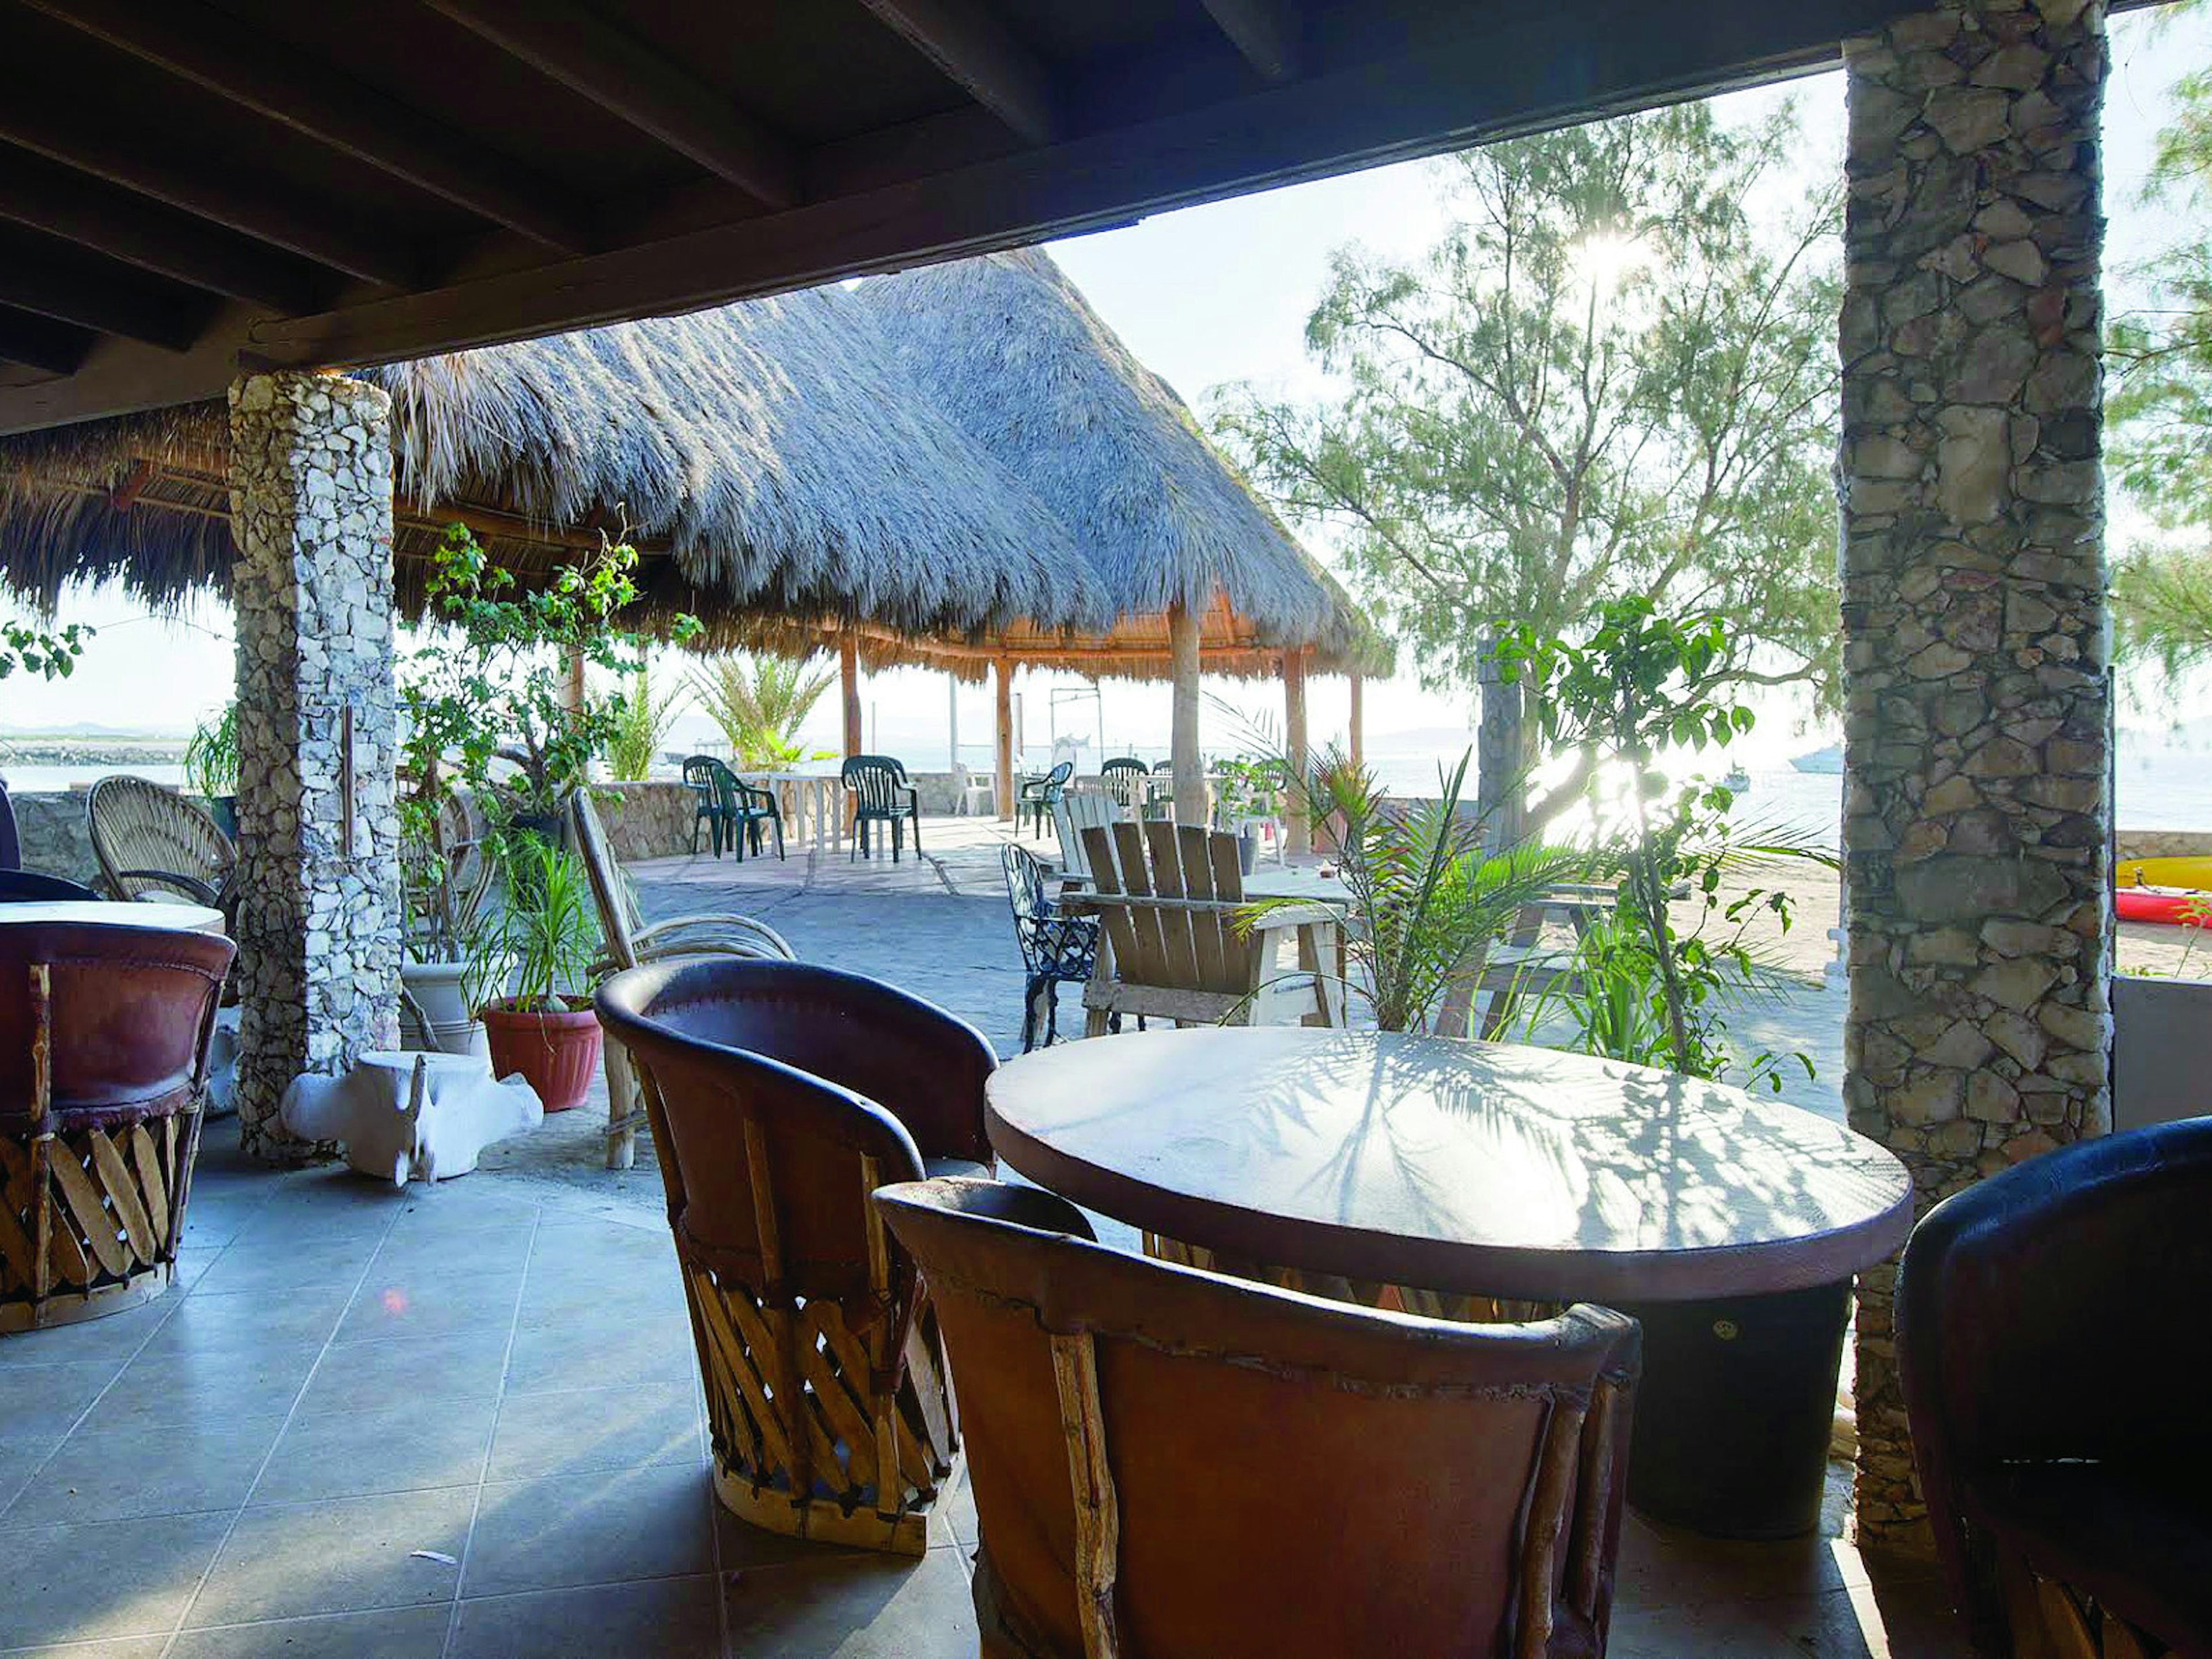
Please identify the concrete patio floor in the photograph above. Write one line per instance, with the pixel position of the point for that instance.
(500, 1372)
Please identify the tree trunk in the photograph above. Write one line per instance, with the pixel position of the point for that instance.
(1299, 832)
(848, 673)
(1002, 777)
(1502, 756)
(1190, 770)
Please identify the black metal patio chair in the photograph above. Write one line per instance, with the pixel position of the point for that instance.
(703, 777)
(1040, 795)
(1057, 948)
(881, 794)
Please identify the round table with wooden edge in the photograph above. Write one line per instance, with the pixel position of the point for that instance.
(115, 912)
(1350, 1162)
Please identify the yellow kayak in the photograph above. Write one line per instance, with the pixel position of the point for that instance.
(2164, 873)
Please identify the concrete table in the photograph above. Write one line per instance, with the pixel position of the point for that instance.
(1355, 1161)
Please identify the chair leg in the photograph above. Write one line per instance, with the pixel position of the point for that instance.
(1051, 1012)
(898, 838)
(778, 822)
(1029, 1014)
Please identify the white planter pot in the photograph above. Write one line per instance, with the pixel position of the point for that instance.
(436, 988)
(2158, 1030)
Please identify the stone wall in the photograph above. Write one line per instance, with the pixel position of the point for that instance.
(651, 820)
(2161, 844)
(54, 836)
(318, 845)
(1977, 817)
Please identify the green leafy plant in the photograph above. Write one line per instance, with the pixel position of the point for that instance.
(545, 937)
(1430, 900)
(48, 652)
(211, 755)
(641, 721)
(760, 702)
(1638, 684)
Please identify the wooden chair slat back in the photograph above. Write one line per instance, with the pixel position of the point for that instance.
(1150, 964)
(1216, 949)
(1106, 881)
(616, 925)
(1178, 928)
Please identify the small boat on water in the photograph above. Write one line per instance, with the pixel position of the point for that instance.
(2176, 891)
(1738, 781)
(1825, 763)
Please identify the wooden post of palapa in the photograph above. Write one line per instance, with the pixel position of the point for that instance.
(1189, 775)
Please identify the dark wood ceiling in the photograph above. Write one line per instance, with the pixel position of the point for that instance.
(188, 185)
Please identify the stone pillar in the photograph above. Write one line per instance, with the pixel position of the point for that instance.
(317, 826)
(1190, 770)
(1978, 807)
(1298, 834)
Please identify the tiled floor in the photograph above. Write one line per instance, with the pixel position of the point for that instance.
(465, 1423)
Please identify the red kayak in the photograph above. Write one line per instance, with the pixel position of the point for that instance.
(2177, 905)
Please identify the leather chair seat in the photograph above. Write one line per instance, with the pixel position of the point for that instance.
(2139, 1539)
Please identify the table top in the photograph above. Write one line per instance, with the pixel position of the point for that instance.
(1484, 1169)
(195, 918)
(1281, 882)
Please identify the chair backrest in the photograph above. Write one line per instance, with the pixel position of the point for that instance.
(139, 825)
(768, 1165)
(11, 845)
(36, 887)
(1025, 893)
(1159, 767)
(1186, 1464)
(1125, 779)
(1071, 816)
(1199, 948)
(618, 919)
(925, 1067)
(120, 1015)
(699, 771)
(878, 782)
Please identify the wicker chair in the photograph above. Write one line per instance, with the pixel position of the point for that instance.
(1039, 795)
(152, 843)
(881, 794)
(103, 1074)
(631, 944)
(1166, 1461)
(1057, 948)
(2052, 1342)
(781, 1096)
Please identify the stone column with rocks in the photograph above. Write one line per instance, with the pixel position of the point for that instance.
(1977, 811)
(317, 823)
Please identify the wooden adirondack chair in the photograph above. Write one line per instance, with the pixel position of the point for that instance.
(1170, 899)
(628, 944)
(1071, 816)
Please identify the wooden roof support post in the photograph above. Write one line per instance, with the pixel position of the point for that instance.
(1358, 721)
(1299, 835)
(572, 692)
(1190, 770)
(1002, 773)
(849, 675)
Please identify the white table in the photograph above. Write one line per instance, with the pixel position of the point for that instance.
(186, 918)
(824, 797)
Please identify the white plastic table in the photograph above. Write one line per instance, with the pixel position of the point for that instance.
(823, 795)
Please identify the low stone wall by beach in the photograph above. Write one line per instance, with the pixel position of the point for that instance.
(2162, 843)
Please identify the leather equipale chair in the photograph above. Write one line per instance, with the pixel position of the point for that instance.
(779, 1096)
(1170, 1463)
(103, 1072)
(2052, 1346)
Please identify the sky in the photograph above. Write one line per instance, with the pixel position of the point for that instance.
(1207, 296)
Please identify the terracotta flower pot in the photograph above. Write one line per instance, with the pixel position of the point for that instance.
(557, 1053)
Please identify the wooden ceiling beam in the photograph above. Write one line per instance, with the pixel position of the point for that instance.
(592, 57)
(197, 185)
(215, 51)
(71, 286)
(40, 342)
(65, 204)
(1266, 33)
(974, 50)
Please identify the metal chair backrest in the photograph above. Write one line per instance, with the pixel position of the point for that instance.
(141, 830)
(1071, 816)
(878, 782)
(1172, 1461)
(1025, 892)
(1125, 779)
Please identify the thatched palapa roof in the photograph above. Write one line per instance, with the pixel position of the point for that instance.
(1012, 352)
(773, 460)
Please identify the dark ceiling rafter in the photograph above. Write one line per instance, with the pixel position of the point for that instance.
(71, 286)
(65, 202)
(200, 188)
(1266, 33)
(628, 79)
(218, 53)
(975, 50)
(40, 342)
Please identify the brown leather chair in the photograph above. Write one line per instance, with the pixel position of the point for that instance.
(1168, 1463)
(779, 1096)
(103, 1071)
(2053, 1345)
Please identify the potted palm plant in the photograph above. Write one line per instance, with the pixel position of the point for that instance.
(528, 969)
(211, 767)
